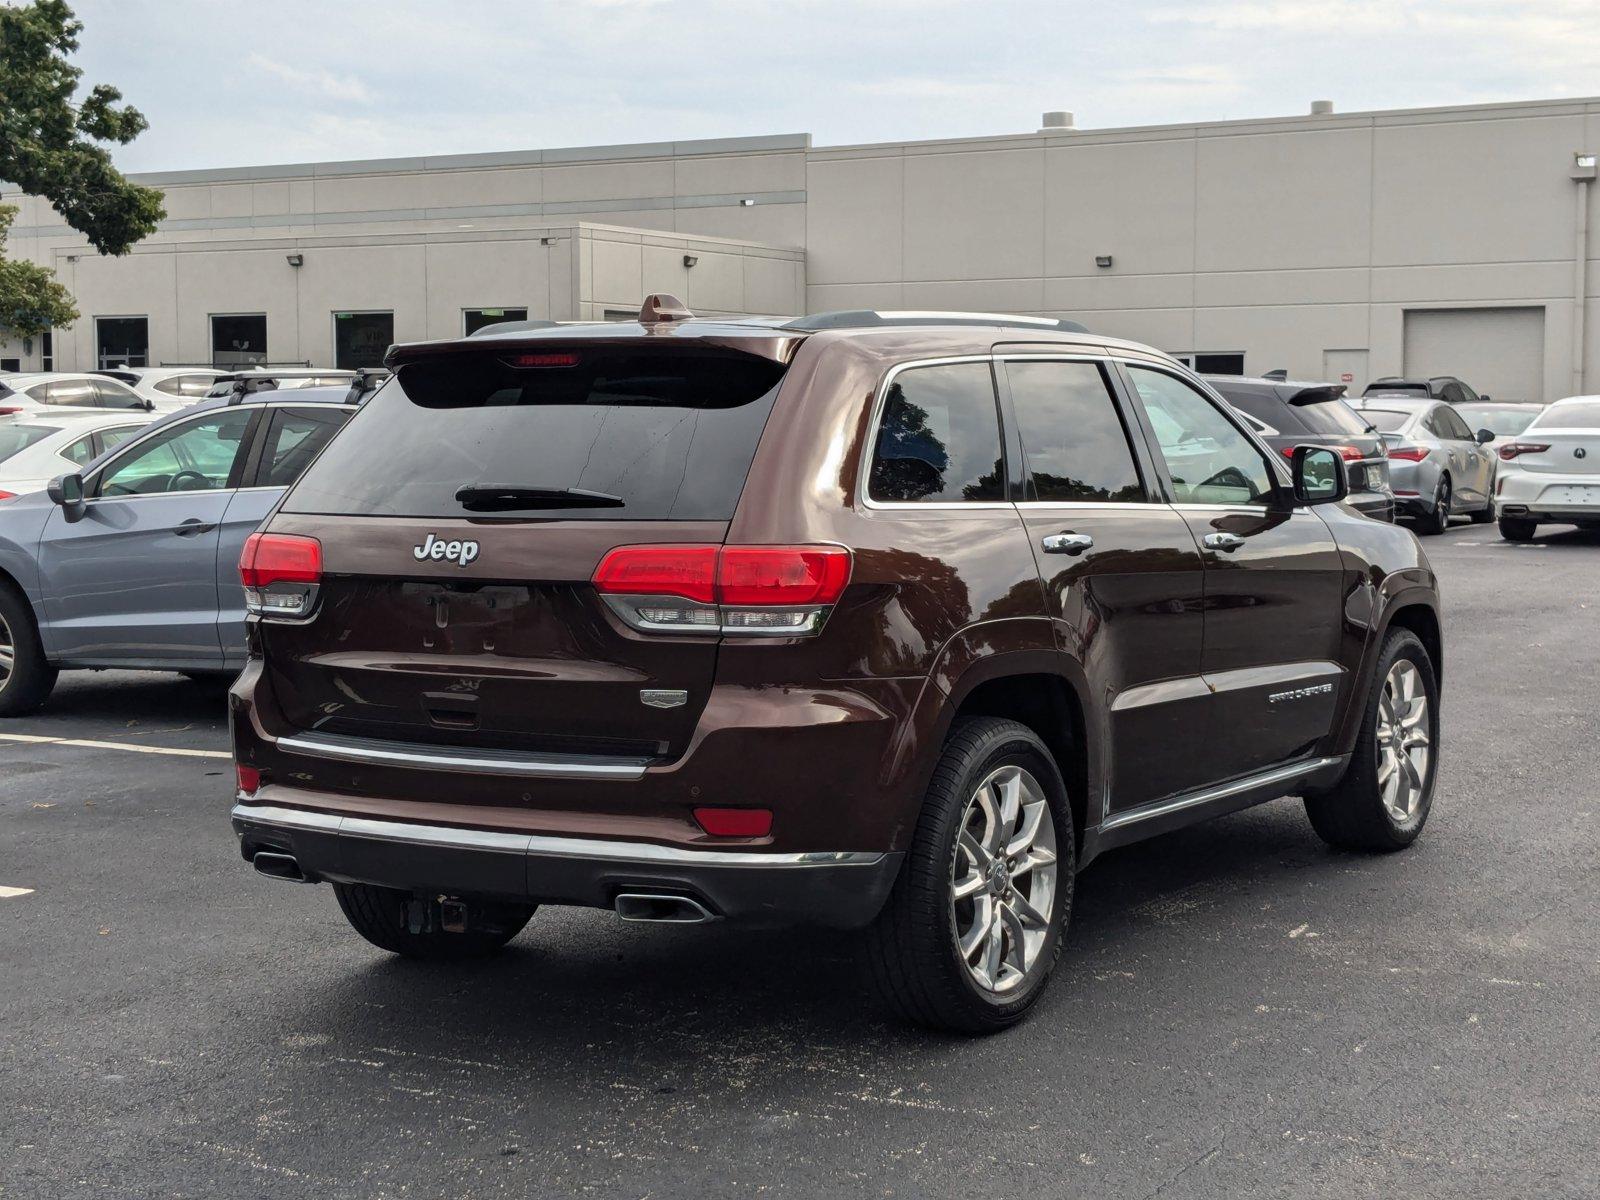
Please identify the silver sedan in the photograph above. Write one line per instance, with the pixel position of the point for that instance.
(1437, 466)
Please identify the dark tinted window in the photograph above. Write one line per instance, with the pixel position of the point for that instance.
(1219, 364)
(296, 437)
(1072, 437)
(1265, 406)
(113, 395)
(669, 432)
(939, 437)
(1331, 417)
(1454, 426)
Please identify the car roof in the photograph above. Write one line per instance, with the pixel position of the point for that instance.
(46, 414)
(29, 378)
(777, 338)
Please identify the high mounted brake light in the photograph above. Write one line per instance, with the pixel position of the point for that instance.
(522, 361)
(771, 590)
(282, 574)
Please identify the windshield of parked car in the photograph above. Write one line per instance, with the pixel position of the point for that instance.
(1498, 420)
(16, 438)
(1569, 416)
(1387, 420)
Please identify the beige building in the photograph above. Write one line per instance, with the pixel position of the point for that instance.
(1343, 246)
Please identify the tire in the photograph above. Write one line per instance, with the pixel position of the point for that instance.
(381, 915)
(1485, 515)
(26, 683)
(1360, 812)
(911, 952)
(1518, 529)
(1437, 520)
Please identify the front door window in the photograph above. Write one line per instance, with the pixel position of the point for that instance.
(195, 457)
(1210, 459)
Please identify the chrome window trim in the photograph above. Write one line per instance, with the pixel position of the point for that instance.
(879, 399)
(419, 756)
(1179, 803)
(538, 845)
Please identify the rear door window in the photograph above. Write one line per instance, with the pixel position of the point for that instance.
(297, 436)
(1330, 417)
(1072, 435)
(938, 440)
(605, 432)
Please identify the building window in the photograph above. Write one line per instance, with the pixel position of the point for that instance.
(360, 339)
(621, 314)
(474, 319)
(238, 339)
(10, 364)
(121, 342)
(47, 350)
(1205, 362)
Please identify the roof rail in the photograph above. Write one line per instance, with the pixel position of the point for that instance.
(865, 318)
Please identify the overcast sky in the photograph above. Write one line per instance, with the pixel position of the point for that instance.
(227, 83)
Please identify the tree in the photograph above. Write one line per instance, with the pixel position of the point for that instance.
(31, 300)
(51, 147)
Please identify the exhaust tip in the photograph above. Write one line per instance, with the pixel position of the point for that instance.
(276, 865)
(662, 908)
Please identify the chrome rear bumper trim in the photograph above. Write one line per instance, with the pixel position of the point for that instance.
(419, 756)
(539, 845)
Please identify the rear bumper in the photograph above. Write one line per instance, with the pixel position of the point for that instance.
(844, 889)
(1548, 496)
(1379, 506)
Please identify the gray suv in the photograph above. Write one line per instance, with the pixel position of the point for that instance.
(132, 562)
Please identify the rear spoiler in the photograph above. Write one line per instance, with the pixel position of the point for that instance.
(1320, 394)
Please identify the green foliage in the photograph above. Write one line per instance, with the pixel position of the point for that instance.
(31, 300)
(50, 148)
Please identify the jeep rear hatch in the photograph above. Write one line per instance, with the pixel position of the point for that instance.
(461, 516)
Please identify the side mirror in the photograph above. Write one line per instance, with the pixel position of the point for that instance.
(1485, 397)
(149, 406)
(1319, 476)
(1485, 436)
(67, 491)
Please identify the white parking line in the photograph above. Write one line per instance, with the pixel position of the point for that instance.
(36, 739)
(6, 893)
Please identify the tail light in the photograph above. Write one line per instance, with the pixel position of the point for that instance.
(281, 574)
(770, 590)
(1348, 453)
(5, 495)
(1512, 449)
(249, 779)
(9, 410)
(1408, 453)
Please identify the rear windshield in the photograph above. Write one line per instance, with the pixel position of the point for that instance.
(1499, 421)
(1387, 420)
(1330, 416)
(1569, 416)
(622, 433)
(16, 438)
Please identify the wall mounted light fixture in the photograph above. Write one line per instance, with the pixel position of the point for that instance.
(295, 260)
(1102, 260)
(689, 260)
(747, 202)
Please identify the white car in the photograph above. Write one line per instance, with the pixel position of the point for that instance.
(31, 392)
(169, 388)
(1550, 472)
(37, 446)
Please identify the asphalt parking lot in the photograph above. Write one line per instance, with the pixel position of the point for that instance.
(1241, 1012)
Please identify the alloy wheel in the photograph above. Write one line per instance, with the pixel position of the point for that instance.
(1404, 743)
(1003, 879)
(8, 651)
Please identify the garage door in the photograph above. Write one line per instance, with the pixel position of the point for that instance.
(1497, 350)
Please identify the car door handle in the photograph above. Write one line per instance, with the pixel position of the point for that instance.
(1066, 543)
(193, 526)
(1222, 541)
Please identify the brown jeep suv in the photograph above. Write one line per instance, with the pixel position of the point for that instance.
(875, 620)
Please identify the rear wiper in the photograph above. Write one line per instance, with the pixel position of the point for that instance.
(510, 497)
